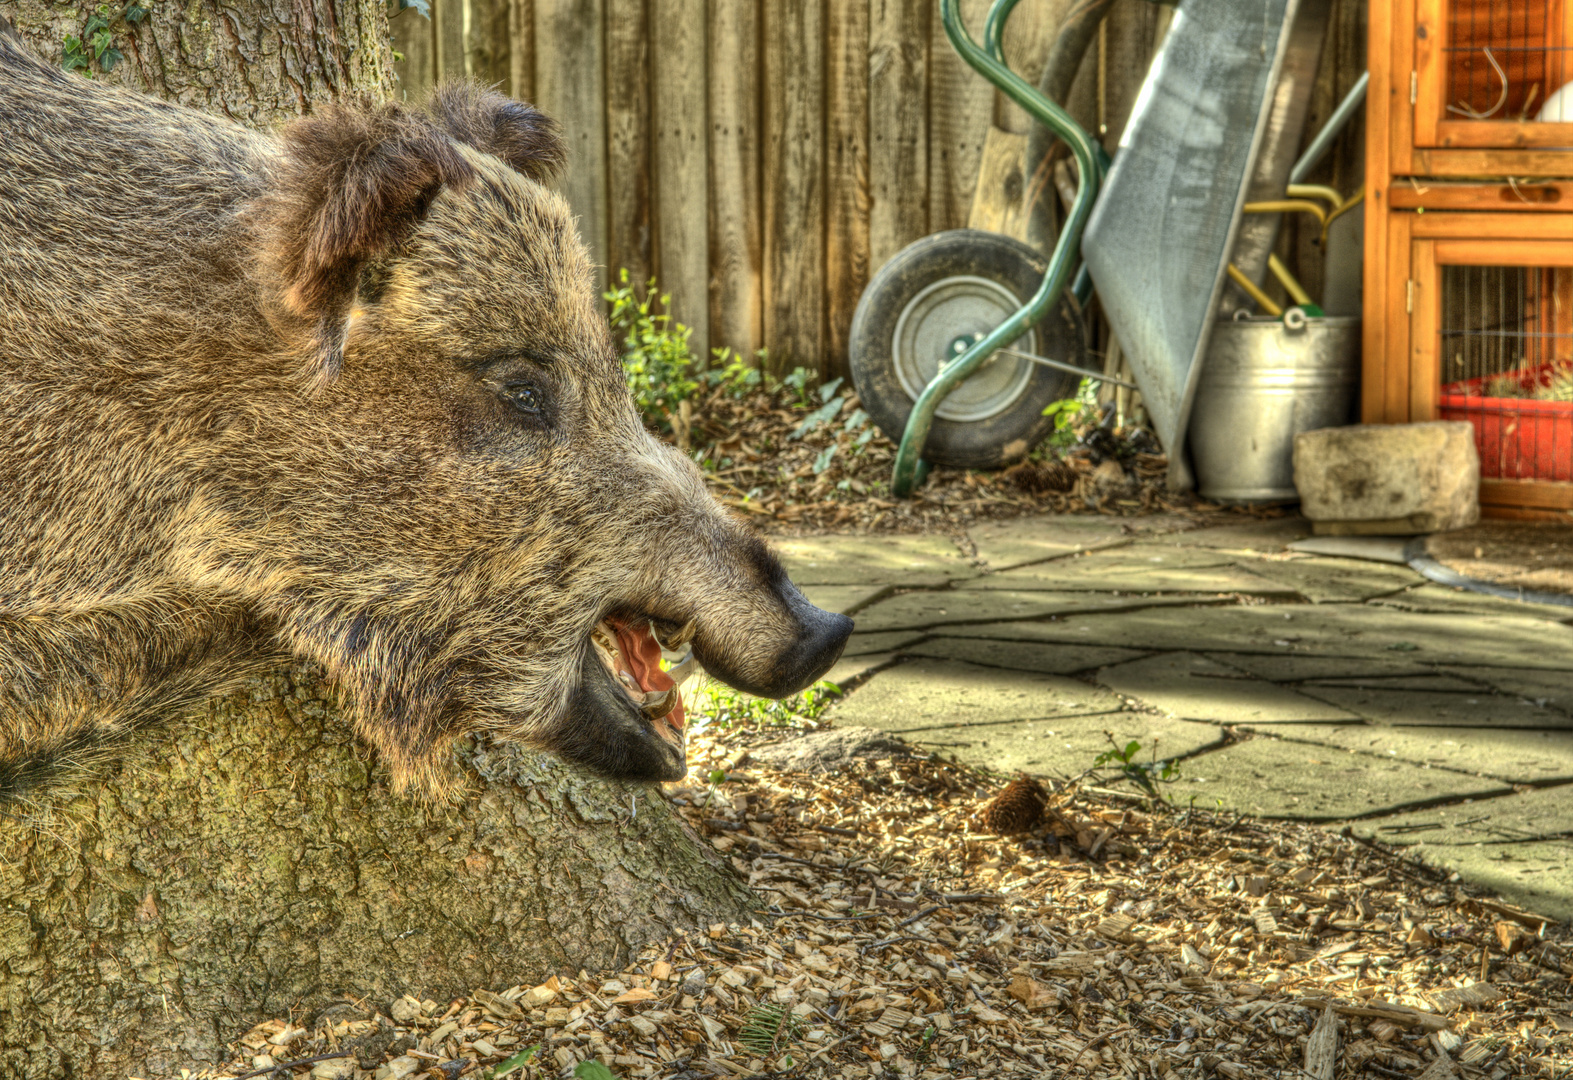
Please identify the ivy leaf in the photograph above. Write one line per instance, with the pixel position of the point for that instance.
(828, 390)
(109, 58)
(135, 13)
(822, 415)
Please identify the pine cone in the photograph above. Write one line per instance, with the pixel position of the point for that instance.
(1042, 478)
(1016, 809)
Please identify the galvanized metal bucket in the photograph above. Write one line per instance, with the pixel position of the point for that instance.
(1263, 382)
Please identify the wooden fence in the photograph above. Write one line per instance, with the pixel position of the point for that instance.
(762, 158)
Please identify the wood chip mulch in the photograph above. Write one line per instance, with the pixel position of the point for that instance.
(790, 485)
(1120, 937)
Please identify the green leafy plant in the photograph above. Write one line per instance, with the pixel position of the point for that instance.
(736, 376)
(512, 1064)
(593, 1070)
(769, 1028)
(96, 45)
(1145, 775)
(718, 704)
(656, 358)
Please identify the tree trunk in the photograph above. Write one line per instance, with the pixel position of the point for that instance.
(250, 861)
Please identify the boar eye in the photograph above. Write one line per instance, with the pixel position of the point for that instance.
(524, 397)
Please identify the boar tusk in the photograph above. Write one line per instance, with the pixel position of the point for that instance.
(683, 668)
(659, 704)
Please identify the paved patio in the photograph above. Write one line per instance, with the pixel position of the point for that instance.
(1288, 685)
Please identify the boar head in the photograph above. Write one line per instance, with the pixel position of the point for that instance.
(456, 507)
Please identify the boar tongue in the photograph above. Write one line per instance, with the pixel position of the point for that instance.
(642, 653)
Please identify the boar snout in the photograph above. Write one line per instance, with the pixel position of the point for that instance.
(811, 650)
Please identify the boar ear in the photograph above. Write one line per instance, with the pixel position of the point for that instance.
(519, 134)
(354, 183)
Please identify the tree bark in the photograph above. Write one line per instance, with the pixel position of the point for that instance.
(251, 862)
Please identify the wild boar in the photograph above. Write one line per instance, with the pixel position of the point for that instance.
(343, 394)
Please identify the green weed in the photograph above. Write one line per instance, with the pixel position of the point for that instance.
(1145, 775)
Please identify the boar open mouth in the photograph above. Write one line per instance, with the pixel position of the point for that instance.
(626, 715)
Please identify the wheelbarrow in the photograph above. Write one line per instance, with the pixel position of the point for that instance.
(962, 340)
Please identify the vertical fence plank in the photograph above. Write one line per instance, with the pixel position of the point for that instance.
(898, 111)
(487, 43)
(1028, 36)
(570, 83)
(448, 18)
(1131, 26)
(412, 36)
(794, 300)
(629, 238)
(521, 51)
(961, 107)
(847, 180)
(682, 206)
(736, 211)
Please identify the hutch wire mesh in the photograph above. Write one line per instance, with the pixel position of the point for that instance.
(1507, 366)
(1506, 59)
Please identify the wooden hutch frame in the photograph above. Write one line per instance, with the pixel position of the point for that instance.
(1448, 192)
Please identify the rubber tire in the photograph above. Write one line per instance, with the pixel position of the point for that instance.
(1007, 436)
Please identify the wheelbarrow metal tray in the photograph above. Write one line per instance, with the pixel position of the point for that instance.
(1165, 224)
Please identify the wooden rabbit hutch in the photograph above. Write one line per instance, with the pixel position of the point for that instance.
(1469, 236)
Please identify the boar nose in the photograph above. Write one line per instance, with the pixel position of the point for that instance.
(820, 638)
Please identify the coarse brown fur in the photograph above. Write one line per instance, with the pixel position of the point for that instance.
(345, 395)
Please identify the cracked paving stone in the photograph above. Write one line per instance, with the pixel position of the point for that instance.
(941, 695)
(864, 644)
(1269, 535)
(1422, 708)
(1323, 580)
(1514, 757)
(1142, 568)
(851, 668)
(1278, 778)
(1516, 846)
(1323, 630)
(1002, 545)
(1283, 667)
(1021, 656)
(1542, 687)
(1192, 687)
(1443, 598)
(1065, 747)
(908, 561)
(926, 610)
(842, 598)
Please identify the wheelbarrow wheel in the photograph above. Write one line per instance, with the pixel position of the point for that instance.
(926, 306)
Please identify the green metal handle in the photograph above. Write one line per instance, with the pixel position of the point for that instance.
(910, 468)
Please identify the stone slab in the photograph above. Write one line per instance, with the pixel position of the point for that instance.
(1429, 708)
(1067, 747)
(1514, 846)
(956, 607)
(843, 598)
(1394, 478)
(1515, 757)
(1250, 535)
(1022, 656)
(831, 750)
(939, 695)
(1324, 580)
(853, 669)
(1322, 630)
(863, 560)
(1277, 778)
(1137, 568)
(1443, 598)
(1191, 687)
(1004, 544)
(1553, 689)
(1285, 667)
(865, 644)
(1441, 683)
